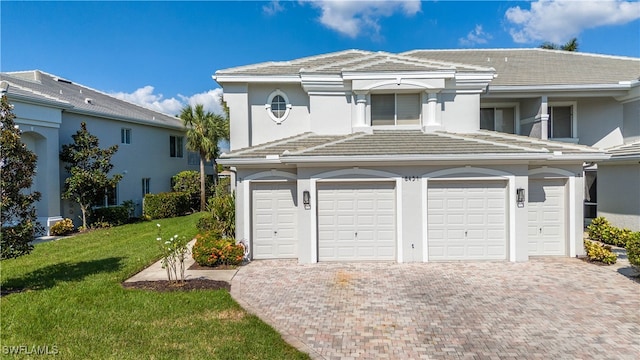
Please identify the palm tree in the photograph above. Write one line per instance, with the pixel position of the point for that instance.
(204, 132)
(571, 45)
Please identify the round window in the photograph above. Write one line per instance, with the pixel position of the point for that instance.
(278, 106)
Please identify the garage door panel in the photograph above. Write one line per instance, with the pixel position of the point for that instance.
(472, 225)
(366, 229)
(274, 220)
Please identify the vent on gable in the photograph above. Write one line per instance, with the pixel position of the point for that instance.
(88, 101)
(62, 80)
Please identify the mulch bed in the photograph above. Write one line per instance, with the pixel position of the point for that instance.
(191, 284)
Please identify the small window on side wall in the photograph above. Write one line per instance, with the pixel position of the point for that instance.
(176, 146)
(278, 106)
(125, 136)
(146, 186)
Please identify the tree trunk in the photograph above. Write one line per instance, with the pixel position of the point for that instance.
(215, 171)
(202, 184)
(83, 208)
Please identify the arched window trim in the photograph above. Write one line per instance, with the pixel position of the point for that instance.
(267, 106)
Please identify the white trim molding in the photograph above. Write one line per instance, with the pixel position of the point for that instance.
(267, 106)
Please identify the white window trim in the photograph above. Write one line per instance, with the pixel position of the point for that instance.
(395, 115)
(574, 120)
(516, 112)
(267, 106)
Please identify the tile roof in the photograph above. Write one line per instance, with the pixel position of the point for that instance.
(514, 67)
(40, 86)
(631, 150)
(541, 66)
(398, 143)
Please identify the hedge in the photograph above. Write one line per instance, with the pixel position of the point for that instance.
(166, 205)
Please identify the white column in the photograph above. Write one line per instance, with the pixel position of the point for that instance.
(432, 102)
(361, 110)
(544, 118)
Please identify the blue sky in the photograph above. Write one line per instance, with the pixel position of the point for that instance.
(162, 54)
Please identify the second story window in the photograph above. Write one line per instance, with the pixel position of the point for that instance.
(560, 122)
(500, 119)
(278, 106)
(125, 136)
(175, 146)
(395, 109)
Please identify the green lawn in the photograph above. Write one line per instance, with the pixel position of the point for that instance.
(74, 304)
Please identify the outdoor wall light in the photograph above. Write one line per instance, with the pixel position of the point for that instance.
(306, 199)
(520, 197)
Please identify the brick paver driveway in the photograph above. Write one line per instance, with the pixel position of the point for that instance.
(541, 309)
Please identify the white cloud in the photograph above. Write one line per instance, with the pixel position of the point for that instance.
(272, 8)
(475, 36)
(351, 18)
(145, 97)
(558, 21)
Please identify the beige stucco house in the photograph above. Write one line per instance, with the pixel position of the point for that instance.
(49, 110)
(427, 155)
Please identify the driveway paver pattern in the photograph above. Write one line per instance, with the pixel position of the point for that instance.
(558, 308)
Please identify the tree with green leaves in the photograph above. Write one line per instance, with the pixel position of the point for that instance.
(571, 45)
(19, 219)
(204, 132)
(89, 168)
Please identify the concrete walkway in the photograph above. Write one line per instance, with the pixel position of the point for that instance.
(155, 272)
(546, 308)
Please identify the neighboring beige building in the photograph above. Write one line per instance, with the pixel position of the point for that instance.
(49, 110)
(423, 156)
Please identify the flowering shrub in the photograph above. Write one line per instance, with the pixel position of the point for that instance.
(211, 249)
(61, 228)
(174, 252)
(600, 253)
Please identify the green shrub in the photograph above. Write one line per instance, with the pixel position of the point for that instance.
(166, 205)
(61, 228)
(113, 215)
(623, 236)
(221, 213)
(189, 181)
(597, 228)
(633, 249)
(211, 249)
(600, 253)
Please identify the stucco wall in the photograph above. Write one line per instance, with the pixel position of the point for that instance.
(459, 112)
(265, 129)
(631, 121)
(619, 194)
(600, 122)
(146, 157)
(331, 114)
(237, 99)
(39, 126)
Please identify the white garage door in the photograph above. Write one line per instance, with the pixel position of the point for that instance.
(274, 220)
(466, 220)
(356, 221)
(546, 222)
